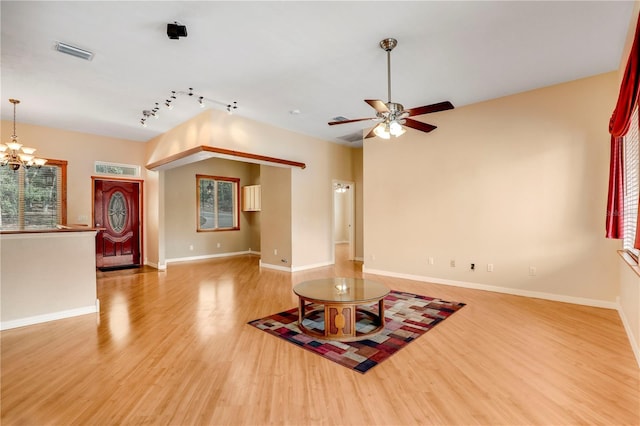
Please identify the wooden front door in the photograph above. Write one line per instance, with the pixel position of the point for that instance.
(116, 207)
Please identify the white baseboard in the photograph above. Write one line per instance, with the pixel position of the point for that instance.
(37, 319)
(627, 329)
(206, 256)
(506, 290)
(276, 267)
(152, 264)
(313, 266)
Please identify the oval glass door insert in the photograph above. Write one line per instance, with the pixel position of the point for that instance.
(117, 211)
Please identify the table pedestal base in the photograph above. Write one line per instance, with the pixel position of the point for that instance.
(340, 321)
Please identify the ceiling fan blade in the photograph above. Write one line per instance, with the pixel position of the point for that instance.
(378, 105)
(440, 106)
(370, 134)
(332, 123)
(419, 125)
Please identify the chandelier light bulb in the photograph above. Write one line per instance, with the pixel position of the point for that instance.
(26, 157)
(14, 146)
(27, 150)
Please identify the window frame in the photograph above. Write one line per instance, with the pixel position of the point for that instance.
(631, 154)
(62, 165)
(236, 203)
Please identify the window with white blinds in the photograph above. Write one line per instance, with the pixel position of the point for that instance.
(631, 182)
(33, 198)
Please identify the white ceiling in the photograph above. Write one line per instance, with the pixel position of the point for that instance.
(321, 58)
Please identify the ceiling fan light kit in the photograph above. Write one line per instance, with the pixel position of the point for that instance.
(392, 116)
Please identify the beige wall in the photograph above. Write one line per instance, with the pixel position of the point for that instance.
(341, 217)
(275, 230)
(356, 166)
(312, 203)
(254, 219)
(46, 276)
(516, 182)
(180, 211)
(629, 280)
(310, 232)
(81, 150)
(630, 304)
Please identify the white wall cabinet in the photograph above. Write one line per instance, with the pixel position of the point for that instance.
(251, 198)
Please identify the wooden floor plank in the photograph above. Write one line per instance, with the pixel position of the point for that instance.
(174, 348)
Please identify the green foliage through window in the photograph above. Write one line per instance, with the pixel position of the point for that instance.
(217, 203)
(30, 198)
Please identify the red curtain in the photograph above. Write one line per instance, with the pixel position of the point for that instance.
(615, 201)
(618, 127)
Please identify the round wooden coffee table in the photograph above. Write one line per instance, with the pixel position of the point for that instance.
(342, 300)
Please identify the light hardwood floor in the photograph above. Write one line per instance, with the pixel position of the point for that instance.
(174, 348)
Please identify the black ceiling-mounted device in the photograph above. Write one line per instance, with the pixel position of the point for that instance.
(175, 31)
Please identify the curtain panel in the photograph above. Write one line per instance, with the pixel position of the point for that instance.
(618, 127)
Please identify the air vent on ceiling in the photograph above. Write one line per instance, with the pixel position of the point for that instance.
(352, 137)
(339, 118)
(74, 51)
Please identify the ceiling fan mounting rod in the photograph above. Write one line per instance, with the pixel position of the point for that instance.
(387, 45)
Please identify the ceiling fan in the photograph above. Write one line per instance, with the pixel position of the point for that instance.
(391, 116)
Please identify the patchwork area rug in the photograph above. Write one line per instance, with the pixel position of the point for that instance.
(407, 317)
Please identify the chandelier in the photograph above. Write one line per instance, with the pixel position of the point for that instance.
(14, 154)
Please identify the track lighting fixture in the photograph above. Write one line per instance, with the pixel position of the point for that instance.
(202, 101)
(231, 107)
